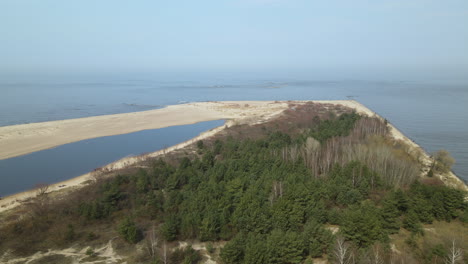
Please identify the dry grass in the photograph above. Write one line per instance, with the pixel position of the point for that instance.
(437, 233)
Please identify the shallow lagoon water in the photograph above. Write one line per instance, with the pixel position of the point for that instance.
(75, 159)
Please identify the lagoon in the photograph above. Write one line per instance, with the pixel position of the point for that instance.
(71, 160)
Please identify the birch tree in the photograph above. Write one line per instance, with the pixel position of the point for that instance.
(152, 243)
(342, 252)
(455, 254)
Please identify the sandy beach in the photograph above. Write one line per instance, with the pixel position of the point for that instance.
(23, 139)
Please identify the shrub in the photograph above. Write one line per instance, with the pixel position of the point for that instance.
(210, 248)
(200, 144)
(90, 252)
(91, 236)
(187, 255)
(129, 231)
(70, 233)
(443, 161)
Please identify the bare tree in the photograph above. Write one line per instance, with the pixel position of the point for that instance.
(40, 204)
(276, 191)
(152, 243)
(366, 143)
(376, 255)
(380, 158)
(165, 253)
(293, 153)
(311, 153)
(342, 251)
(97, 175)
(312, 144)
(455, 254)
(41, 189)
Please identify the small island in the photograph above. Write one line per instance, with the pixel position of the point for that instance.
(280, 182)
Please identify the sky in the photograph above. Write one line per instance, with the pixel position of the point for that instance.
(233, 35)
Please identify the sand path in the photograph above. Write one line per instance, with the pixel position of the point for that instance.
(105, 254)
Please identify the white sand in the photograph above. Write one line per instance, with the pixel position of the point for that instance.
(22, 139)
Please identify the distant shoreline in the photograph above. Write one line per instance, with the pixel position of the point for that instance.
(22, 139)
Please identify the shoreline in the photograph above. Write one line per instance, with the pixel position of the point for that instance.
(18, 140)
(234, 112)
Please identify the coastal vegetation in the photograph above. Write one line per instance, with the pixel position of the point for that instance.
(443, 161)
(315, 184)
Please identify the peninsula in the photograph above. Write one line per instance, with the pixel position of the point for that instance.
(307, 177)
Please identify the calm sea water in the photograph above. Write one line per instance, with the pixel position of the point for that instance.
(75, 159)
(433, 114)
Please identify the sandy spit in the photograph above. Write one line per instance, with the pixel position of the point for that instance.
(22, 139)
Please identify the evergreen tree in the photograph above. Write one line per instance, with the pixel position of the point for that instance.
(233, 252)
(362, 225)
(170, 228)
(70, 233)
(422, 208)
(438, 208)
(256, 250)
(402, 202)
(287, 215)
(317, 239)
(210, 227)
(285, 247)
(411, 223)
(390, 216)
(129, 231)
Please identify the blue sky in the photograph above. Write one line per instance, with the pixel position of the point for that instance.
(232, 35)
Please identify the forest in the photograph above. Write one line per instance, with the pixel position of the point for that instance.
(315, 185)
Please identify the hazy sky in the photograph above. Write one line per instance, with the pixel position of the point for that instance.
(173, 35)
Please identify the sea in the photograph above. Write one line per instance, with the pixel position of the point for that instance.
(434, 114)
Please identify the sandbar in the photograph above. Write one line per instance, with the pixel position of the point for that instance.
(22, 139)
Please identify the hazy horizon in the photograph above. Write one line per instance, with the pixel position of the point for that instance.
(321, 39)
